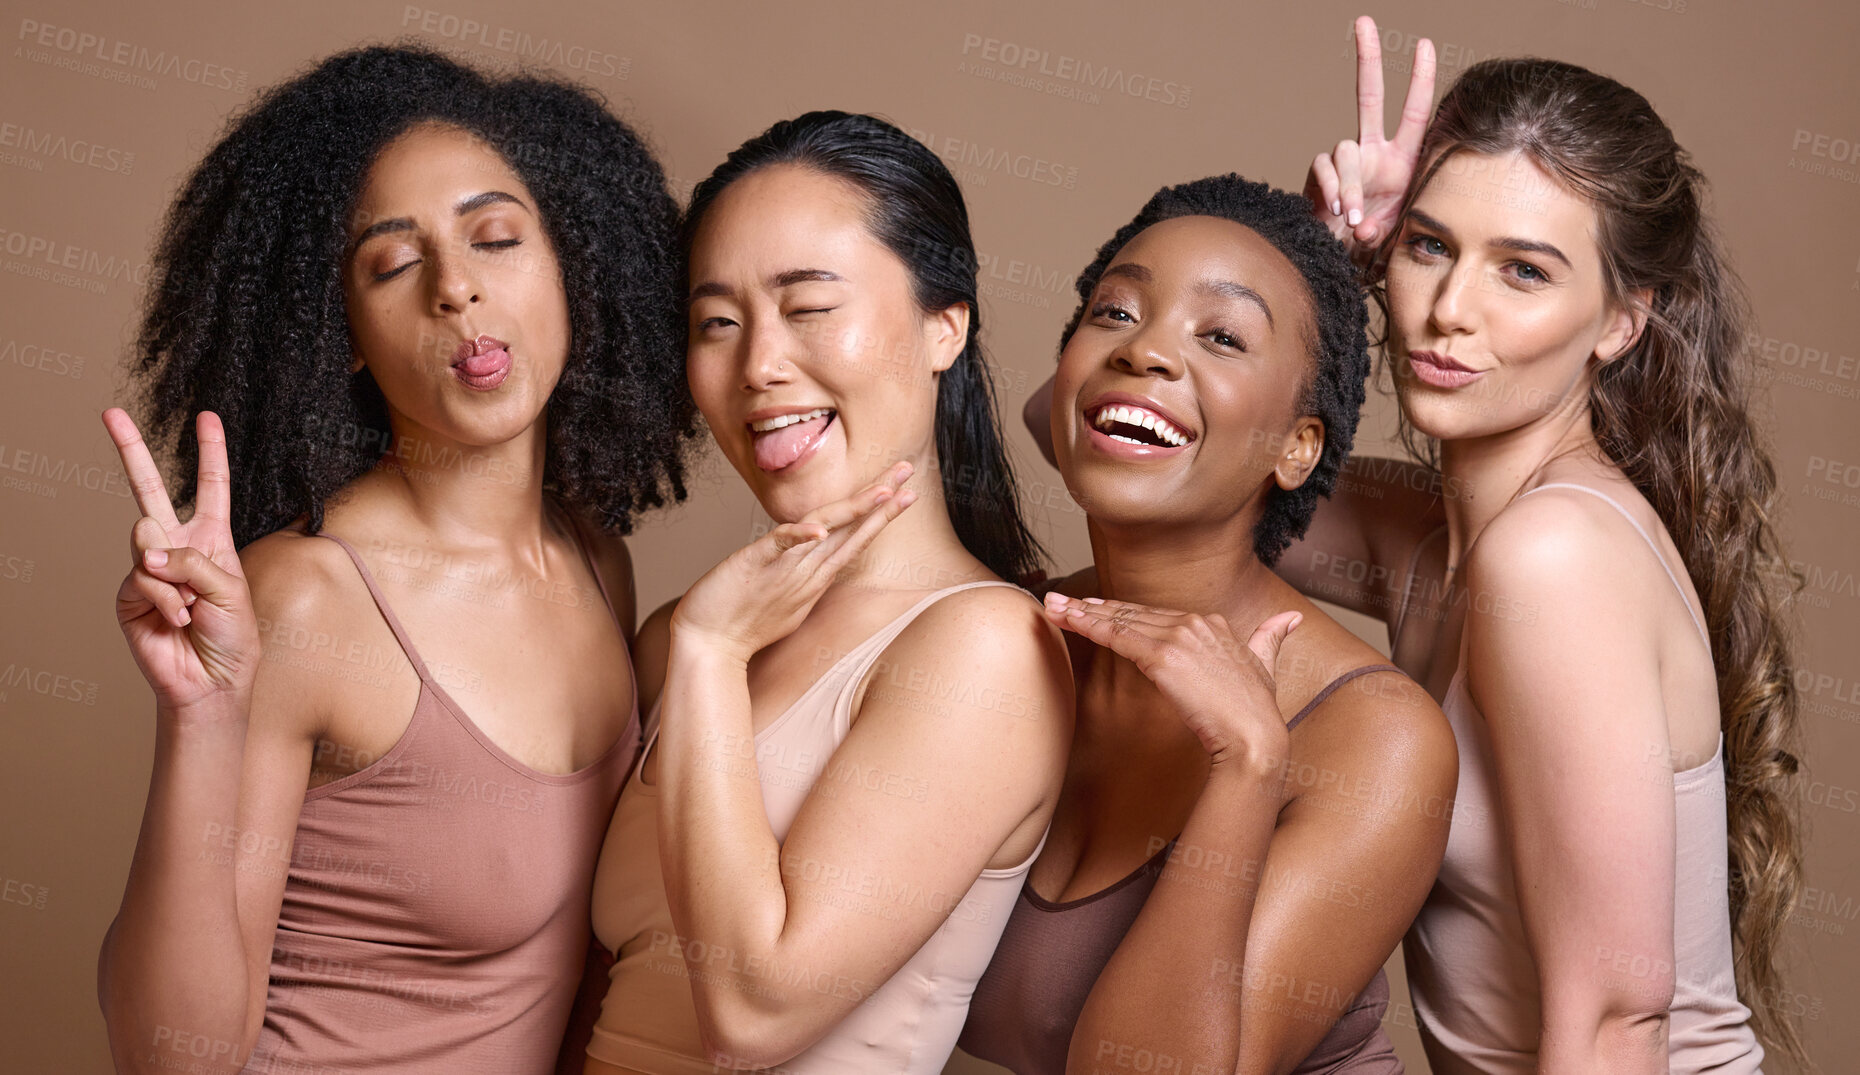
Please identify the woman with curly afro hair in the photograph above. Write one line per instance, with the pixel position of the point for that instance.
(1255, 801)
(424, 322)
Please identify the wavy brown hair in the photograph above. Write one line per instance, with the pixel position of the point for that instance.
(1673, 412)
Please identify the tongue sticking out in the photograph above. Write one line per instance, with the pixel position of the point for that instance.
(780, 447)
(485, 364)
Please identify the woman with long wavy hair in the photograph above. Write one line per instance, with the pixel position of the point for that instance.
(422, 324)
(1585, 571)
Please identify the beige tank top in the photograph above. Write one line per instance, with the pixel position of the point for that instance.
(1469, 969)
(909, 1024)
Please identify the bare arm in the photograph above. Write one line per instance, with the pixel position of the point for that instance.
(183, 967)
(1362, 537)
(1351, 862)
(1574, 705)
(979, 771)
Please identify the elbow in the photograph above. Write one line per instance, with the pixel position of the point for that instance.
(750, 1032)
(1623, 1028)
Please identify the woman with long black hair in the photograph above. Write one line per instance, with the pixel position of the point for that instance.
(857, 728)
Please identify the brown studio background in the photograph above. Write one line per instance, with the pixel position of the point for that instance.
(104, 106)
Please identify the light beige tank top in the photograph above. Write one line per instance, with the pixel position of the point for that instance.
(909, 1024)
(1469, 969)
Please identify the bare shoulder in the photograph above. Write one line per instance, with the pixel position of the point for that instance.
(989, 638)
(1379, 723)
(312, 606)
(1556, 549)
(301, 578)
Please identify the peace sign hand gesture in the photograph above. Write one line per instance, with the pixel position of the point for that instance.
(1357, 188)
(184, 607)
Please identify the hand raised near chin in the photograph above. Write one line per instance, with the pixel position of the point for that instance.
(763, 591)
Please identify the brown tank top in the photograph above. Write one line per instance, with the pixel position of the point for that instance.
(1051, 954)
(435, 914)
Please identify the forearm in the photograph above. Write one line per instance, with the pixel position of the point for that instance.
(174, 965)
(1172, 986)
(721, 861)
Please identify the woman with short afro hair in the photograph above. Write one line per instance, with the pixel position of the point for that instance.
(1255, 801)
(424, 325)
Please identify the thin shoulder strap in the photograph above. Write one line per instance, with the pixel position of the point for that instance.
(387, 613)
(867, 652)
(1407, 585)
(1331, 688)
(581, 546)
(1644, 536)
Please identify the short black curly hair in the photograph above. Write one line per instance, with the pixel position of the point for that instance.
(1338, 340)
(245, 312)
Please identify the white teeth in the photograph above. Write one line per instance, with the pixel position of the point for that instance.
(1142, 419)
(778, 422)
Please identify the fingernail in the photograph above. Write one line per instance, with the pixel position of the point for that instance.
(907, 498)
(1055, 598)
(191, 598)
(1336, 208)
(1356, 217)
(155, 557)
(1094, 600)
(185, 617)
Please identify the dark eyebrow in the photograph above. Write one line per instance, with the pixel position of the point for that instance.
(779, 280)
(1230, 290)
(469, 205)
(1224, 288)
(1528, 246)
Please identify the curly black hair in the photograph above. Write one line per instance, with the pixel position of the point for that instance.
(245, 313)
(1338, 340)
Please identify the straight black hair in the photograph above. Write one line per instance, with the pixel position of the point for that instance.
(917, 211)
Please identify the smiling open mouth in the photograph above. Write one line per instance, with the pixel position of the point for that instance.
(1136, 425)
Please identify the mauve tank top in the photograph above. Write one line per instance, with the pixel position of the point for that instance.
(1051, 954)
(1469, 967)
(435, 913)
(907, 1026)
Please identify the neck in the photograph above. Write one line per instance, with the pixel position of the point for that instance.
(919, 549)
(1485, 474)
(1206, 570)
(1210, 570)
(487, 496)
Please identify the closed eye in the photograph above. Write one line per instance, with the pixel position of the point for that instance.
(500, 244)
(383, 277)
